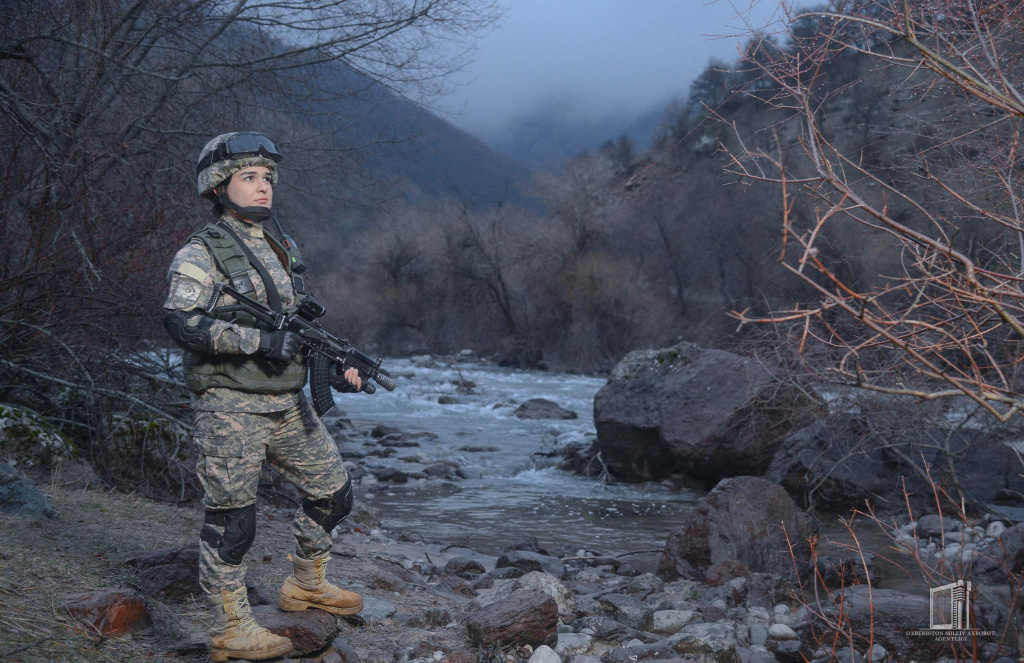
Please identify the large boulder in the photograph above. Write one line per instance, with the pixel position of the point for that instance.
(887, 616)
(742, 519)
(18, 495)
(856, 456)
(704, 413)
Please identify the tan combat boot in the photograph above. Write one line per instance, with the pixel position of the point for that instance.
(237, 635)
(307, 588)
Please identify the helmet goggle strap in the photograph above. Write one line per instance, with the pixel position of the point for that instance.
(244, 144)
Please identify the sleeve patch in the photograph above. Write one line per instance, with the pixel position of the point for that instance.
(185, 293)
(191, 271)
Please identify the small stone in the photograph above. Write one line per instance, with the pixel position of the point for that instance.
(628, 610)
(995, 529)
(669, 622)
(574, 643)
(758, 634)
(781, 632)
(375, 610)
(545, 654)
(531, 561)
(645, 583)
(458, 565)
(389, 582)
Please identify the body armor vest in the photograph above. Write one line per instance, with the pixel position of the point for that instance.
(248, 373)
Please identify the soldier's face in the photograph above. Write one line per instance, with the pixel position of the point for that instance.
(250, 187)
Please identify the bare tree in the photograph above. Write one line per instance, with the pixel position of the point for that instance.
(945, 320)
(103, 106)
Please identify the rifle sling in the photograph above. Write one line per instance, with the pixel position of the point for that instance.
(273, 296)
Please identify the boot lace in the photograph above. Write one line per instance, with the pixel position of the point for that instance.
(245, 623)
(320, 567)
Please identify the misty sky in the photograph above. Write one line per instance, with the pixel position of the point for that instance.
(593, 58)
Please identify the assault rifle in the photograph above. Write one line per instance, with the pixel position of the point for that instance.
(322, 348)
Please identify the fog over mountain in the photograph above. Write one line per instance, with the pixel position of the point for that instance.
(556, 78)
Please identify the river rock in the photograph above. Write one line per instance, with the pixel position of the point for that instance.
(704, 650)
(849, 457)
(758, 634)
(463, 566)
(528, 543)
(722, 572)
(525, 618)
(540, 408)
(544, 654)
(1003, 560)
(645, 583)
(374, 611)
(387, 581)
(741, 519)
(628, 610)
(391, 474)
(574, 643)
(705, 413)
(309, 630)
(781, 632)
(171, 572)
(545, 582)
(18, 495)
(531, 561)
(669, 622)
(110, 612)
(933, 526)
(895, 613)
(445, 469)
(845, 569)
(606, 628)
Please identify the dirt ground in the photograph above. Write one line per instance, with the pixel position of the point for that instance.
(97, 532)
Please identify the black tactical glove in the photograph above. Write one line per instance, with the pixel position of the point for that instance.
(280, 345)
(339, 381)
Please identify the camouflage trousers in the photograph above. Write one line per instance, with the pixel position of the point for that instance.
(232, 449)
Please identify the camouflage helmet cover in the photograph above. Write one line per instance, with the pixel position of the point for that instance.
(217, 172)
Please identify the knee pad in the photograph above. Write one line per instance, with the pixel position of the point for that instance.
(239, 532)
(327, 512)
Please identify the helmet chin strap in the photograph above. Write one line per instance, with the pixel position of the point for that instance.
(254, 213)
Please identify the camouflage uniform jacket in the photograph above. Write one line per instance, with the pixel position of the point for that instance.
(192, 275)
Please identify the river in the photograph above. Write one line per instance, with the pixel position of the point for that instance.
(512, 492)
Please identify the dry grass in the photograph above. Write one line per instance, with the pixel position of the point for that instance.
(97, 532)
(85, 548)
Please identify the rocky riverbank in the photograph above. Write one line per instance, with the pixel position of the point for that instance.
(112, 578)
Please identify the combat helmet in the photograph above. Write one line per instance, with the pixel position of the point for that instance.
(228, 153)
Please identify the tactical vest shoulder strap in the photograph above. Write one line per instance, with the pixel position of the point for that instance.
(289, 254)
(227, 255)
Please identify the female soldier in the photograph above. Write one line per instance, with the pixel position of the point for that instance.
(247, 399)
